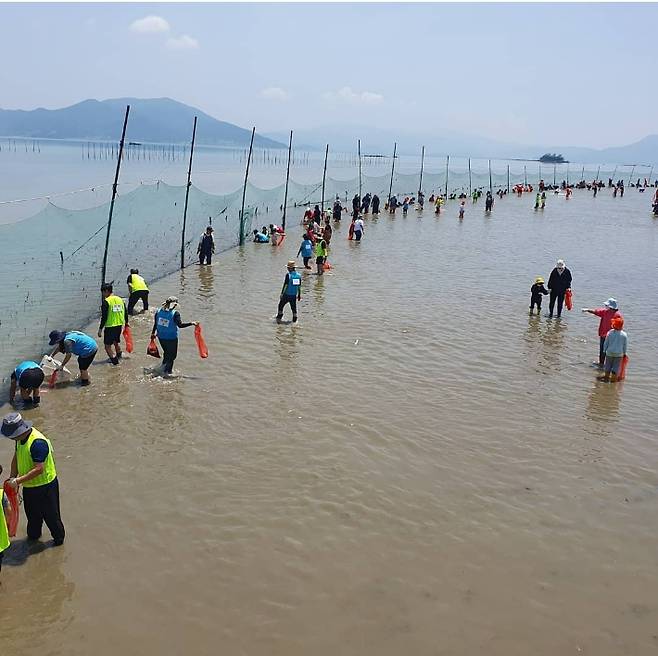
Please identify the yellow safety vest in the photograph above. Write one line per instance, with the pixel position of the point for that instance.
(4, 531)
(319, 250)
(24, 462)
(116, 312)
(137, 284)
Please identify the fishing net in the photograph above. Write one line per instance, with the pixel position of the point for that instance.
(53, 260)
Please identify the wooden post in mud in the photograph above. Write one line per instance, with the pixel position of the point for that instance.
(539, 173)
(390, 187)
(567, 174)
(525, 176)
(447, 173)
(422, 166)
(187, 198)
(490, 184)
(630, 177)
(582, 174)
(244, 189)
(359, 149)
(554, 169)
(508, 178)
(285, 195)
(597, 174)
(650, 175)
(614, 175)
(324, 176)
(470, 186)
(114, 193)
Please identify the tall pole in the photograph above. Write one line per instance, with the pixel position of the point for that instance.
(554, 168)
(567, 174)
(470, 186)
(630, 177)
(447, 173)
(650, 175)
(114, 192)
(582, 174)
(422, 166)
(324, 175)
(525, 176)
(614, 175)
(244, 189)
(508, 178)
(490, 184)
(597, 173)
(390, 187)
(359, 148)
(187, 196)
(285, 195)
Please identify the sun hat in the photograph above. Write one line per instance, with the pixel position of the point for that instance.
(612, 304)
(13, 425)
(55, 337)
(539, 280)
(292, 264)
(617, 323)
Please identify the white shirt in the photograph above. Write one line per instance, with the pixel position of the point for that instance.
(358, 225)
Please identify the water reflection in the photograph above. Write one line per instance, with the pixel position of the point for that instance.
(603, 404)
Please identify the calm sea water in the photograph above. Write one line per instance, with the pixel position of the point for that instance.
(417, 466)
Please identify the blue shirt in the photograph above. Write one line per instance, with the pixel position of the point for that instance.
(38, 450)
(307, 248)
(615, 344)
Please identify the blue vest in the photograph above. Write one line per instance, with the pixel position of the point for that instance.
(307, 248)
(165, 325)
(83, 345)
(24, 366)
(294, 281)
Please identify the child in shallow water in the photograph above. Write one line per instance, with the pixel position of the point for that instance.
(615, 347)
(536, 292)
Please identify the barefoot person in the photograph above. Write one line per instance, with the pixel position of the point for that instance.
(166, 325)
(33, 467)
(291, 292)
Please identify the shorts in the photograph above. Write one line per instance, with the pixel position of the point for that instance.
(84, 361)
(31, 379)
(612, 364)
(112, 335)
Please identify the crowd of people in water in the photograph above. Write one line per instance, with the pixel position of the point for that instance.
(33, 465)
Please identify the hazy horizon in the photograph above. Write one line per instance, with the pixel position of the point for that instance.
(471, 69)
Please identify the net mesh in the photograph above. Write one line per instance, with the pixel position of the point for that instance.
(53, 259)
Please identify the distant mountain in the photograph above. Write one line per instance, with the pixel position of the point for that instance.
(378, 140)
(155, 120)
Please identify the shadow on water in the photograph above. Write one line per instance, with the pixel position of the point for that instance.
(20, 550)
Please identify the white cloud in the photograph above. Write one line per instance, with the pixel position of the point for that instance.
(275, 93)
(348, 95)
(182, 42)
(150, 24)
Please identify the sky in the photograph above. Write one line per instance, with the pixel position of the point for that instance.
(572, 74)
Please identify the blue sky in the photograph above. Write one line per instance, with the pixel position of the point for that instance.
(573, 74)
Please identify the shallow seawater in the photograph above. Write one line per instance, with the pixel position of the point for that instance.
(417, 466)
